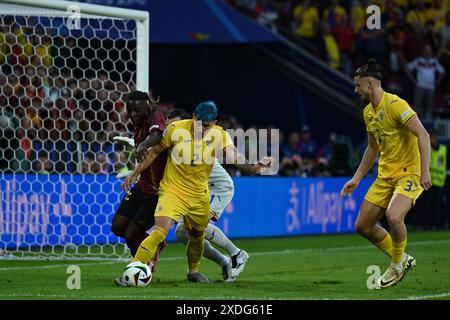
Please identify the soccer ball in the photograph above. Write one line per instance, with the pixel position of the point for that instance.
(137, 274)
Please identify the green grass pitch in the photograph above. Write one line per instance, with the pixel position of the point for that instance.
(305, 267)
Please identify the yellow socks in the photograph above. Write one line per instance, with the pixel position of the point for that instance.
(194, 250)
(147, 248)
(398, 248)
(386, 245)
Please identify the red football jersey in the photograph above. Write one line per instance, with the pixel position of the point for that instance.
(150, 177)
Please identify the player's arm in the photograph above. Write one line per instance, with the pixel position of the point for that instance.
(232, 155)
(152, 140)
(153, 153)
(423, 137)
(368, 159)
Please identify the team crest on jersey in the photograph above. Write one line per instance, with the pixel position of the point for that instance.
(381, 116)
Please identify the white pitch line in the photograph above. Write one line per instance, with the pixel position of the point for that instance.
(57, 265)
(125, 296)
(263, 253)
(429, 296)
(344, 248)
(170, 297)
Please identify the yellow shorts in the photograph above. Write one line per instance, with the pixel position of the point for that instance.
(195, 211)
(382, 190)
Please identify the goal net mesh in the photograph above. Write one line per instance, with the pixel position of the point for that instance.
(61, 98)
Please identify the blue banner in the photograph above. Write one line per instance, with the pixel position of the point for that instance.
(195, 21)
(39, 210)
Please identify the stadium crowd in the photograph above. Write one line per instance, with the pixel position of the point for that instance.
(413, 42)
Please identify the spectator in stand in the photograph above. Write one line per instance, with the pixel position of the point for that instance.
(402, 4)
(291, 167)
(444, 59)
(102, 160)
(398, 36)
(426, 67)
(358, 15)
(292, 147)
(285, 15)
(43, 165)
(334, 14)
(266, 14)
(306, 20)
(430, 36)
(326, 152)
(308, 148)
(414, 45)
(119, 162)
(436, 14)
(372, 43)
(444, 32)
(328, 47)
(390, 16)
(343, 33)
(416, 15)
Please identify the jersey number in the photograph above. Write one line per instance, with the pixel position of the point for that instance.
(196, 156)
(408, 188)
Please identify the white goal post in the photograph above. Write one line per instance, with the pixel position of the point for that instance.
(62, 8)
(64, 70)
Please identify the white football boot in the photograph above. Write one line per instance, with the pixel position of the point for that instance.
(238, 263)
(393, 276)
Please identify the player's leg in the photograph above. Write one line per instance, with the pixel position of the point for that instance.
(168, 211)
(119, 225)
(143, 220)
(194, 250)
(395, 214)
(367, 226)
(238, 256)
(407, 190)
(125, 213)
(149, 245)
(372, 209)
(213, 234)
(209, 252)
(196, 221)
(216, 236)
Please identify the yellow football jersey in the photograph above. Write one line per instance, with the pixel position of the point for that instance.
(399, 148)
(190, 158)
(309, 18)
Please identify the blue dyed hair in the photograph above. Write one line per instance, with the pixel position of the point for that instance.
(206, 111)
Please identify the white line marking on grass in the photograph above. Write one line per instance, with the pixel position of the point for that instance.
(344, 248)
(429, 296)
(124, 296)
(261, 253)
(57, 265)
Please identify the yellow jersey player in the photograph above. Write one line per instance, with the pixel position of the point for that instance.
(192, 146)
(396, 133)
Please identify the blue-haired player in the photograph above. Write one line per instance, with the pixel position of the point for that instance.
(184, 188)
(221, 188)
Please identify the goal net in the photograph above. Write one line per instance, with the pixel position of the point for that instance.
(65, 68)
